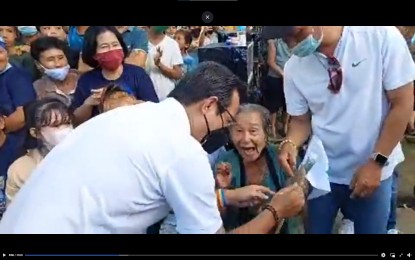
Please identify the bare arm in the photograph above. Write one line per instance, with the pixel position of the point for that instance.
(82, 114)
(402, 101)
(264, 223)
(271, 61)
(15, 121)
(137, 58)
(172, 73)
(299, 129)
(202, 36)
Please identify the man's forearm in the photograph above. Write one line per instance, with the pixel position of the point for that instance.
(264, 223)
(172, 73)
(394, 128)
(299, 129)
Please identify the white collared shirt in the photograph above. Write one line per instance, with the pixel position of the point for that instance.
(374, 59)
(120, 172)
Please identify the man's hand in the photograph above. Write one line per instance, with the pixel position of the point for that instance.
(157, 57)
(248, 196)
(289, 201)
(95, 98)
(288, 158)
(366, 180)
(224, 175)
(411, 124)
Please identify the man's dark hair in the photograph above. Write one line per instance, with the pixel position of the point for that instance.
(89, 48)
(45, 43)
(206, 80)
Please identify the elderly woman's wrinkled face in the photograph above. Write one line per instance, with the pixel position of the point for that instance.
(248, 135)
(9, 35)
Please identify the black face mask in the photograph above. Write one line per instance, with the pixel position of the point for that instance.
(214, 140)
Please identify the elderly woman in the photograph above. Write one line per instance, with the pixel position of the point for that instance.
(105, 51)
(253, 161)
(48, 123)
(58, 80)
(251, 168)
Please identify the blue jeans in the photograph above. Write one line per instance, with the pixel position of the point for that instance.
(394, 201)
(370, 215)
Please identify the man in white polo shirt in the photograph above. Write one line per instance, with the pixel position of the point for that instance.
(126, 169)
(353, 88)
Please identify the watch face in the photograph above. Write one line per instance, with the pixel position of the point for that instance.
(381, 159)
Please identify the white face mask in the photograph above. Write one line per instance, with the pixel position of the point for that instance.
(52, 136)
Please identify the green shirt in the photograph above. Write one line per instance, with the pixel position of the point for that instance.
(234, 217)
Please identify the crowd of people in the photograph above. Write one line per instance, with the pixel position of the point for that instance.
(120, 129)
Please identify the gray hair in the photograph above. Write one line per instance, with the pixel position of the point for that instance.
(262, 111)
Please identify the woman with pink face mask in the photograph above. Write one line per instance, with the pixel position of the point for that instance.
(48, 123)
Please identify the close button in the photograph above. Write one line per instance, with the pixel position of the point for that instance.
(207, 17)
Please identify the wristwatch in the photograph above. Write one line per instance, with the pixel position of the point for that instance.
(380, 159)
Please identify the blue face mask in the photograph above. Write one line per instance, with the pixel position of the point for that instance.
(307, 47)
(28, 30)
(58, 73)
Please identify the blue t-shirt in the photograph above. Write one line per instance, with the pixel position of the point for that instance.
(75, 40)
(135, 39)
(133, 80)
(189, 63)
(16, 90)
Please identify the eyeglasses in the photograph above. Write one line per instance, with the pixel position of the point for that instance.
(223, 109)
(335, 75)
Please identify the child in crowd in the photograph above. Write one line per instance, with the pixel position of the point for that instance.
(184, 39)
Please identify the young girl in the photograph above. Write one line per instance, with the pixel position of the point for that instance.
(184, 39)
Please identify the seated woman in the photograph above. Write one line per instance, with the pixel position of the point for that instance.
(51, 56)
(48, 123)
(253, 162)
(105, 51)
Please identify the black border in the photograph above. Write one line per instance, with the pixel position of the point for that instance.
(225, 13)
(208, 244)
(175, 12)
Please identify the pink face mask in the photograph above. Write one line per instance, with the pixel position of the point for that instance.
(52, 136)
(110, 60)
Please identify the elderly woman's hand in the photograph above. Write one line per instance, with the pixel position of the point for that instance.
(224, 175)
(248, 196)
(289, 202)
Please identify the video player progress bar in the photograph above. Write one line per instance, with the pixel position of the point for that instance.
(292, 255)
